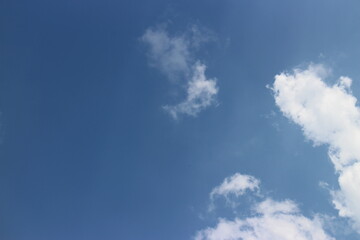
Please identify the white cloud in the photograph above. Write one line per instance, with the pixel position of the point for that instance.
(237, 185)
(347, 199)
(173, 56)
(270, 219)
(328, 115)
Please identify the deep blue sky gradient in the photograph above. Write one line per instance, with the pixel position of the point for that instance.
(87, 151)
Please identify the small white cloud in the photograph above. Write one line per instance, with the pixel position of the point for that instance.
(173, 56)
(270, 219)
(237, 185)
(328, 115)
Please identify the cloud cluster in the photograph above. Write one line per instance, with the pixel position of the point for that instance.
(270, 219)
(328, 114)
(172, 55)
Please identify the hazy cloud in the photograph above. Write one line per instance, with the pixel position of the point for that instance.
(173, 56)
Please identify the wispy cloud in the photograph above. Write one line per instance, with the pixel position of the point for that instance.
(201, 93)
(173, 56)
(270, 219)
(236, 184)
(328, 114)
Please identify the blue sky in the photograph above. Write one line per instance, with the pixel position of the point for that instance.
(179, 119)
